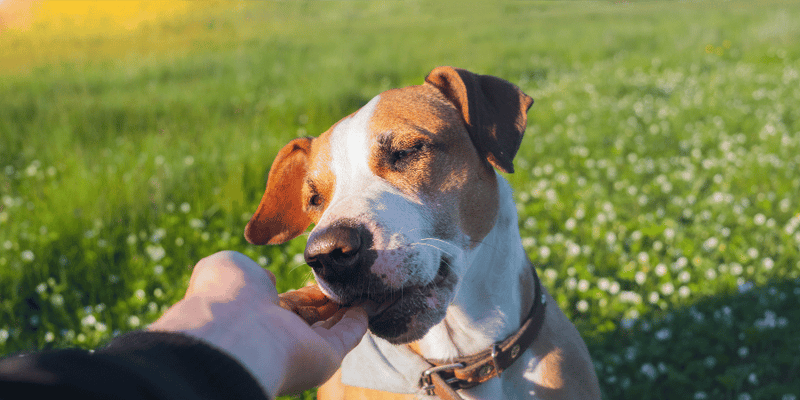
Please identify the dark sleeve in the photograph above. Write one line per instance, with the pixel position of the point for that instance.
(138, 365)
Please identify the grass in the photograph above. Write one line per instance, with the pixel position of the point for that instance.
(657, 183)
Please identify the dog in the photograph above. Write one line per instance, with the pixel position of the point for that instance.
(410, 214)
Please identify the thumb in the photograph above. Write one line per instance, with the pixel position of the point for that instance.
(345, 334)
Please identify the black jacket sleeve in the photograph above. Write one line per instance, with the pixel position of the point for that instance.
(138, 365)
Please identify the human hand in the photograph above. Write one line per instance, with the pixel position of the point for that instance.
(232, 303)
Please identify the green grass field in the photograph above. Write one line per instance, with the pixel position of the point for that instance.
(658, 183)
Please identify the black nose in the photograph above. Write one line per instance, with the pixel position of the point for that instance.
(337, 253)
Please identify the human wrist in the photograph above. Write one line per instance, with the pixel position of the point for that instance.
(232, 331)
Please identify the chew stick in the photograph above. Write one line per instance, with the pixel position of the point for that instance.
(309, 303)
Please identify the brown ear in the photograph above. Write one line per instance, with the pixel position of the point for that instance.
(495, 111)
(280, 216)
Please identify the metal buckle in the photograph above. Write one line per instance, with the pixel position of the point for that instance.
(495, 350)
(426, 383)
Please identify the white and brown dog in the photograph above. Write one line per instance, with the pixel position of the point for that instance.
(409, 213)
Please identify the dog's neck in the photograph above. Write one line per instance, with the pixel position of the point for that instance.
(494, 294)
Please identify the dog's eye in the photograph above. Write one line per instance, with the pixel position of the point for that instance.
(315, 200)
(398, 156)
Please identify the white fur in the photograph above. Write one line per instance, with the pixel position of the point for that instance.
(362, 196)
(486, 309)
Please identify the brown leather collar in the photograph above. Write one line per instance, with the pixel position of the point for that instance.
(445, 377)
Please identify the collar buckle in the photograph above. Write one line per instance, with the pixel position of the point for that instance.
(426, 381)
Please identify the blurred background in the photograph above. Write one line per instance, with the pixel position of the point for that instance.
(657, 184)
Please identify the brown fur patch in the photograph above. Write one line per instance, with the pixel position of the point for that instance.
(446, 171)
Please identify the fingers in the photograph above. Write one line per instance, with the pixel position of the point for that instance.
(224, 274)
(309, 303)
(343, 335)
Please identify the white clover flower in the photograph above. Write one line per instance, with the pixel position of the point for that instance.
(746, 287)
(627, 323)
(710, 362)
(139, 293)
(185, 208)
(640, 277)
(744, 396)
(711, 274)
(614, 288)
(133, 321)
(49, 337)
(611, 238)
(711, 244)
(603, 284)
(156, 253)
(3, 335)
(158, 292)
(57, 300)
(88, 320)
(648, 370)
(626, 296)
(736, 269)
(570, 224)
(583, 285)
(188, 160)
(743, 351)
(663, 334)
(27, 256)
(544, 252)
(630, 352)
(661, 269)
(41, 288)
(684, 291)
(667, 288)
(700, 395)
(197, 223)
(573, 249)
(571, 283)
(653, 297)
(767, 263)
(551, 274)
(582, 306)
(158, 269)
(643, 257)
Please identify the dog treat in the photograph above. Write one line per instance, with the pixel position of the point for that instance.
(309, 303)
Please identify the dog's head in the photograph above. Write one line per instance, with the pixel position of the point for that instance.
(398, 192)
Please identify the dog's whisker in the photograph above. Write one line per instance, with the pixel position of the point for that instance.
(433, 246)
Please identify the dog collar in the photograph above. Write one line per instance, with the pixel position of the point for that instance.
(445, 377)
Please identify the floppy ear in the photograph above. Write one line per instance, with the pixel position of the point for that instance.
(280, 216)
(494, 111)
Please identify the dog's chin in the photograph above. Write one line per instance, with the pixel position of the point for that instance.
(406, 315)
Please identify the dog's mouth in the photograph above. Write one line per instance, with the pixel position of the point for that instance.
(387, 301)
(407, 314)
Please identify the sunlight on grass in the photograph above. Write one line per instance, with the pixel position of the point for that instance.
(33, 33)
(83, 18)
